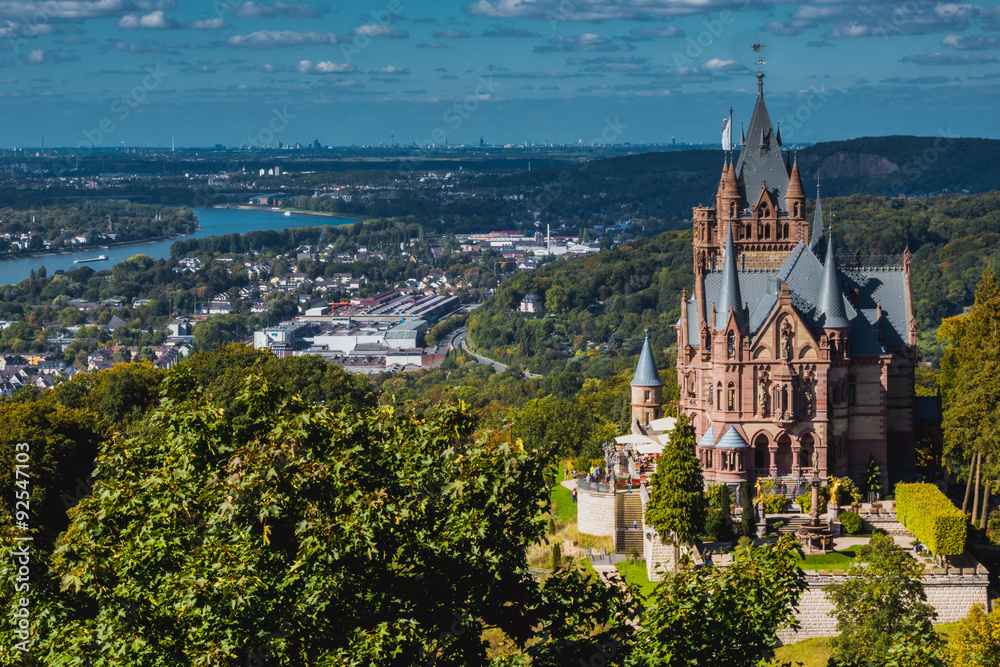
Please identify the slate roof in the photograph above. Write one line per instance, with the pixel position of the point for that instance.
(729, 291)
(731, 439)
(816, 234)
(803, 272)
(831, 310)
(645, 370)
(761, 159)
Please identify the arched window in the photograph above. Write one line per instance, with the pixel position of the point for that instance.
(749, 231)
(796, 208)
(709, 232)
(731, 402)
(731, 346)
(767, 231)
(786, 230)
(784, 400)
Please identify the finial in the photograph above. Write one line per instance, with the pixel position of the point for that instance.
(758, 48)
(647, 332)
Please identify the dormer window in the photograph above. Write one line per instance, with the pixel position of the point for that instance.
(731, 346)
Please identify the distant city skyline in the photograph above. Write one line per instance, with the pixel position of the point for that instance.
(149, 72)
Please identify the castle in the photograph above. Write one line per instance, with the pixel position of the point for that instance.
(784, 349)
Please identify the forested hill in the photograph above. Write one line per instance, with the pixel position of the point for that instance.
(597, 307)
(661, 188)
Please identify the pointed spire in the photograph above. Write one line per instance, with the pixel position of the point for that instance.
(732, 188)
(795, 189)
(816, 236)
(729, 292)
(779, 134)
(645, 371)
(831, 298)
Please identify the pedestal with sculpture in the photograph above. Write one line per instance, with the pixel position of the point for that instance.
(815, 536)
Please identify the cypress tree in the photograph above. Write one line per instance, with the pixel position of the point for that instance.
(747, 528)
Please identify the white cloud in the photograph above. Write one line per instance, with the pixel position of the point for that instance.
(271, 39)
(153, 21)
(378, 31)
(971, 43)
(207, 24)
(950, 59)
(588, 41)
(390, 69)
(324, 67)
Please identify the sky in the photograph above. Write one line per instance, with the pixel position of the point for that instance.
(108, 73)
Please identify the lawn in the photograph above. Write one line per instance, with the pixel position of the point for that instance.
(836, 560)
(816, 652)
(635, 573)
(564, 509)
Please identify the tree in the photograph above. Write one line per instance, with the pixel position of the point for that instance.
(304, 534)
(969, 368)
(747, 527)
(976, 641)
(722, 616)
(676, 507)
(882, 611)
(873, 479)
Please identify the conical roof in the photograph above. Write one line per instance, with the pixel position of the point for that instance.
(645, 371)
(760, 159)
(795, 183)
(816, 235)
(730, 186)
(832, 314)
(729, 292)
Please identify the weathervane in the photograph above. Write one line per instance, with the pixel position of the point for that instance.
(758, 48)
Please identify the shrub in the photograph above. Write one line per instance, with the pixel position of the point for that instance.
(718, 525)
(805, 501)
(851, 522)
(582, 465)
(847, 490)
(993, 527)
(932, 518)
(774, 504)
(716, 494)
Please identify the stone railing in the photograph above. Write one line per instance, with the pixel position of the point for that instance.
(598, 487)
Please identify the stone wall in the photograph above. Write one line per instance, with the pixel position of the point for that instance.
(595, 513)
(951, 595)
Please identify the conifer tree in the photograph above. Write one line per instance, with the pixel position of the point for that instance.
(873, 479)
(747, 528)
(676, 507)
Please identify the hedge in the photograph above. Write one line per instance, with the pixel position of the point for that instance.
(931, 517)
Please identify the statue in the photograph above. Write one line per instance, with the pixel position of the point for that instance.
(610, 456)
(785, 351)
(762, 396)
(815, 461)
(807, 398)
(834, 490)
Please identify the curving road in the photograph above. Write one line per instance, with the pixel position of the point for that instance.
(459, 340)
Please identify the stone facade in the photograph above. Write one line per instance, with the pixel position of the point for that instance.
(951, 595)
(596, 513)
(782, 355)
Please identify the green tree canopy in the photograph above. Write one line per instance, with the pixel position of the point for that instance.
(676, 507)
(304, 534)
(882, 612)
(723, 616)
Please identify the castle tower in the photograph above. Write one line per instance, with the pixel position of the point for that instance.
(647, 388)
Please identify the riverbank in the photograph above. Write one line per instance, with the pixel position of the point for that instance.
(296, 211)
(66, 252)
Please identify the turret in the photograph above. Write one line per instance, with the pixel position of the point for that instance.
(795, 197)
(816, 236)
(831, 311)
(647, 388)
(730, 299)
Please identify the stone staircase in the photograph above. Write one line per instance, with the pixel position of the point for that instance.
(791, 524)
(629, 512)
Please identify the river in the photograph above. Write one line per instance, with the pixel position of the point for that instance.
(213, 221)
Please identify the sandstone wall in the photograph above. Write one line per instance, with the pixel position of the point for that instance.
(595, 513)
(951, 595)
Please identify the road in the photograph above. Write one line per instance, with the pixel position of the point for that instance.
(459, 340)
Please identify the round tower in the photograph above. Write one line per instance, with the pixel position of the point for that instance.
(647, 388)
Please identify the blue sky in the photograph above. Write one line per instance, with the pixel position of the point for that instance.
(139, 72)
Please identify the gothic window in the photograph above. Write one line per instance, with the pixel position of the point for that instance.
(722, 460)
(718, 396)
(731, 402)
(796, 209)
(708, 458)
(731, 346)
(777, 232)
(710, 232)
(749, 230)
(732, 210)
(786, 230)
(784, 400)
(739, 460)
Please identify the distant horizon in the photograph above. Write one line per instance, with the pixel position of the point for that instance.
(138, 72)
